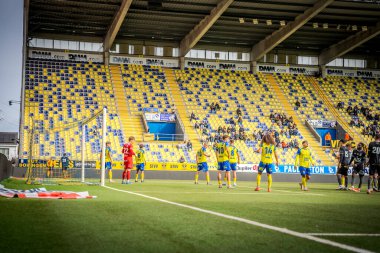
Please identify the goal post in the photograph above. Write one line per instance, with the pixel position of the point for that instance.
(104, 137)
(83, 142)
(83, 153)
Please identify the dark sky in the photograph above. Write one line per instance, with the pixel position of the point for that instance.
(11, 23)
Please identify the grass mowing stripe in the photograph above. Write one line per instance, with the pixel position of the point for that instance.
(254, 223)
(226, 193)
(341, 234)
(315, 194)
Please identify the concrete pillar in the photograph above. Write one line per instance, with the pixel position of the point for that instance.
(323, 70)
(254, 67)
(182, 62)
(106, 58)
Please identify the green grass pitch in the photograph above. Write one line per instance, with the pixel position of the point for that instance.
(122, 222)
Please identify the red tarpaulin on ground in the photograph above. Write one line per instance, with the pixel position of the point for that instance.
(42, 193)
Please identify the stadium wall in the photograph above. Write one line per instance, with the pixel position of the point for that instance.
(189, 175)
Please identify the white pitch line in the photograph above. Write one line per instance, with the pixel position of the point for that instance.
(306, 193)
(248, 187)
(223, 193)
(254, 223)
(293, 192)
(341, 234)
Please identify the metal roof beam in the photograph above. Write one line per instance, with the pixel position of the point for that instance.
(346, 45)
(116, 24)
(270, 42)
(191, 39)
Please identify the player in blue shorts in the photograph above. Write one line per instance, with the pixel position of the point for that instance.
(268, 150)
(234, 159)
(201, 158)
(108, 160)
(140, 163)
(304, 160)
(223, 157)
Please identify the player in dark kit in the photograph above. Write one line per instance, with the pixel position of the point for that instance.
(345, 154)
(65, 161)
(374, 162)
(359, 159)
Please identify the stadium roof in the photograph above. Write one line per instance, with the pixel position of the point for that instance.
(172, 20)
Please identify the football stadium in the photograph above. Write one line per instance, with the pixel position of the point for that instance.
(190, 126)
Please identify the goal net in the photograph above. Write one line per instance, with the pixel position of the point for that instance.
(68, 154)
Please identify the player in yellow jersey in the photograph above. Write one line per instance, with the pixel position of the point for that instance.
(268, 150)
(223, 157)
(201, 158)
(140, 163)
(304, 160)
(234, 159)
(50, 166)
(108, 160)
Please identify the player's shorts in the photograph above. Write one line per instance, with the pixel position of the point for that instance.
(304, 171)
(128, 164)
(224, 166)
(140, 166)
(108, 166)
(358, 169)
(373, 169)
(233, 166)
(343, 170)
(268, 167)
(65, 167)
(203, 167)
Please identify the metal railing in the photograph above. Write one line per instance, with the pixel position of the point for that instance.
(169, 137)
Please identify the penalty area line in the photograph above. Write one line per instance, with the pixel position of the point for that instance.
(251, 222)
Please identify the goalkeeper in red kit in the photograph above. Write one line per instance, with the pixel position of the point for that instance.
(128, 160)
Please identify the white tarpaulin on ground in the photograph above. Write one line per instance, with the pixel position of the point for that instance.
(42, 193)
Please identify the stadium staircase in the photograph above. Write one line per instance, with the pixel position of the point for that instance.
(181, 108)
(131, 124)
(357, 137)
(288, 108)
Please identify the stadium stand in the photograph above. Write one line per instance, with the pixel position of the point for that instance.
(232, 90)
(50, 84)
(145, 87)
(325, 155)
(298, 88)
(58, 94)
(131, 124)
(353, 91)
(139, 87)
